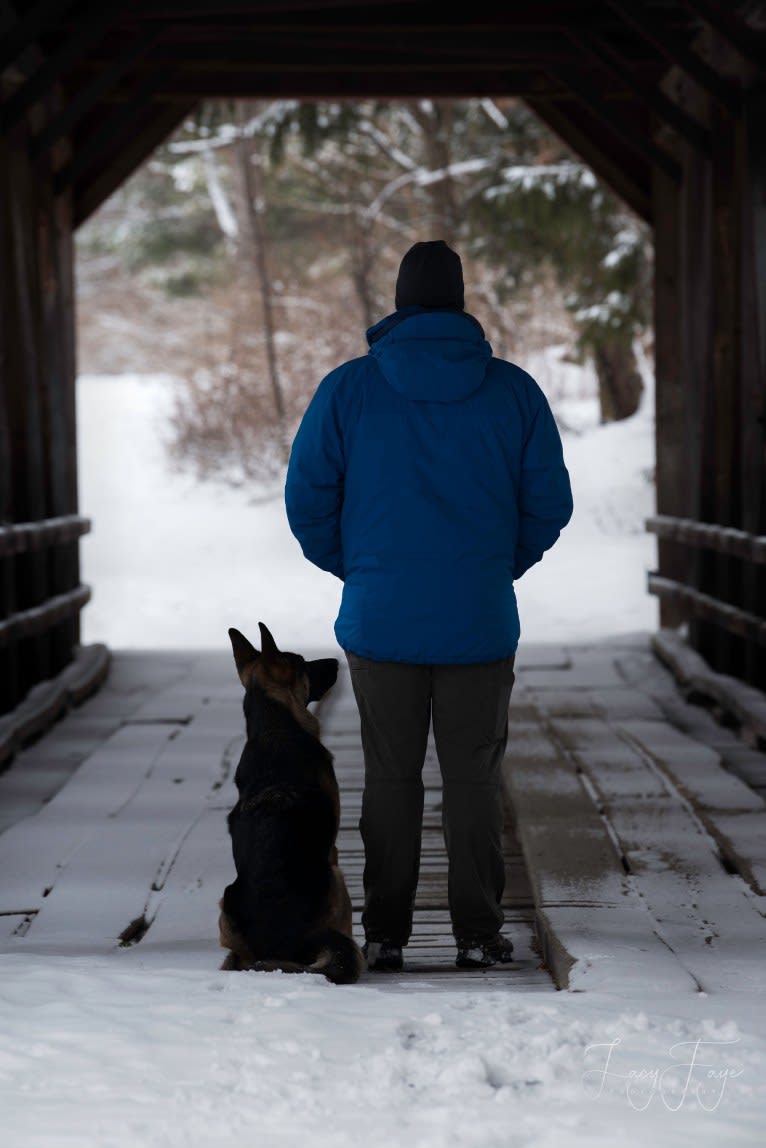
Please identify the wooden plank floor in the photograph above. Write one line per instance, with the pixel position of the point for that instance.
(431, 951)
(644, 841)
(127, 836)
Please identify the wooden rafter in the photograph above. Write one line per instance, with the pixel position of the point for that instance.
(730, 25)
(127, 153)
(111, 127)
(24, 31)
(584, 90)
(328, 47)
(654, 98)
(615, 169)
(69, 53)
(282, 9)
(682, 56)
(307, 84)
(87, 96)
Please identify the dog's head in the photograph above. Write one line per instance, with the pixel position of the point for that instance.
(275, 669)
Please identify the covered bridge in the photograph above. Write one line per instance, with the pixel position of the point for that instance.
(665, 100)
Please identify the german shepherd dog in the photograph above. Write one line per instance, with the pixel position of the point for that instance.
(289, 907)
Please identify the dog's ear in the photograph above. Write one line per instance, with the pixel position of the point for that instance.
(322, 675)
(268, 645)
(244, 653)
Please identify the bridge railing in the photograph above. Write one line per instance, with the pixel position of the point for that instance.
(740, 612)
(40, 601)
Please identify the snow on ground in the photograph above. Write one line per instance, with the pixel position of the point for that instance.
(174, 563)
(127, 1052)
(93, 1055)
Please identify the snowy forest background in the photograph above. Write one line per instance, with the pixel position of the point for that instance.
(247, 258)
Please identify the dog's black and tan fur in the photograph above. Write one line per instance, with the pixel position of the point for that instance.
(289, 907)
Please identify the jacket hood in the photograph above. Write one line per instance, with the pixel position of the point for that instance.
(434, 356)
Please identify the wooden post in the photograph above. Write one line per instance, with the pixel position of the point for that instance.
(696, 319)
(721, 480)
(38, 472)
(753, 360)
(672, 475)
(58, 312)
(9, 678)
(25, 414)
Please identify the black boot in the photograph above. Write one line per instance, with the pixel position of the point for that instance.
(483, 953)
(383, 956)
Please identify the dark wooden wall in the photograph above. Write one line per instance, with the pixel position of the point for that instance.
(710, 323)
(39, 565)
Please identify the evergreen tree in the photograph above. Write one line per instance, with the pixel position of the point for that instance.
(535, 206)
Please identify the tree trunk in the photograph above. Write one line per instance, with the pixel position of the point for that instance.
(620, 385)
(249, 170)
(436, 120)
(362, 259)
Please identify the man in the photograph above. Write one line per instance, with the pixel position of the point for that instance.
(428, 476)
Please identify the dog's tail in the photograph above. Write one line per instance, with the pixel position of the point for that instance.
(338, 957)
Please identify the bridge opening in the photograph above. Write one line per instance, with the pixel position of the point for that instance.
(666, 106)
(246, 258)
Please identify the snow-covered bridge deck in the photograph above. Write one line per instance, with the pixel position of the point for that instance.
(636, 832)
(115, 826)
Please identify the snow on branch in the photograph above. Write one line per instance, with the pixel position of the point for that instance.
(226, 134)
(422, 177)
(545, 176)
(498, 117)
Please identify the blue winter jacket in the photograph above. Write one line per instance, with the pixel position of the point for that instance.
(427, 475)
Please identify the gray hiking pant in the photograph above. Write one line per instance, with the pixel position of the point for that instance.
(468, 707)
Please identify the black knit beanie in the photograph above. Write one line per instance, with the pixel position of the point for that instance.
(430, 275)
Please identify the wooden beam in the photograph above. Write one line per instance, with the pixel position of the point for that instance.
(111, 127)
(609, 166)
(730, 25)
(730, 619)
(755, 117)
(95, 23)
(329, 46)
(673, 488)
(10, 687)
(753, 353)
(281, 8)
(128, 154)
(720, 482)
(609, 115)
(695, 318)
(20, 536)
(24, 32)
(79, 103)
(24, 378)
(49, 700)
(711, 81)
(40, 618)
(653, 97)
(722, 539)
(401, 12)
(57, 337)
(315, 63)
(280, 81)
